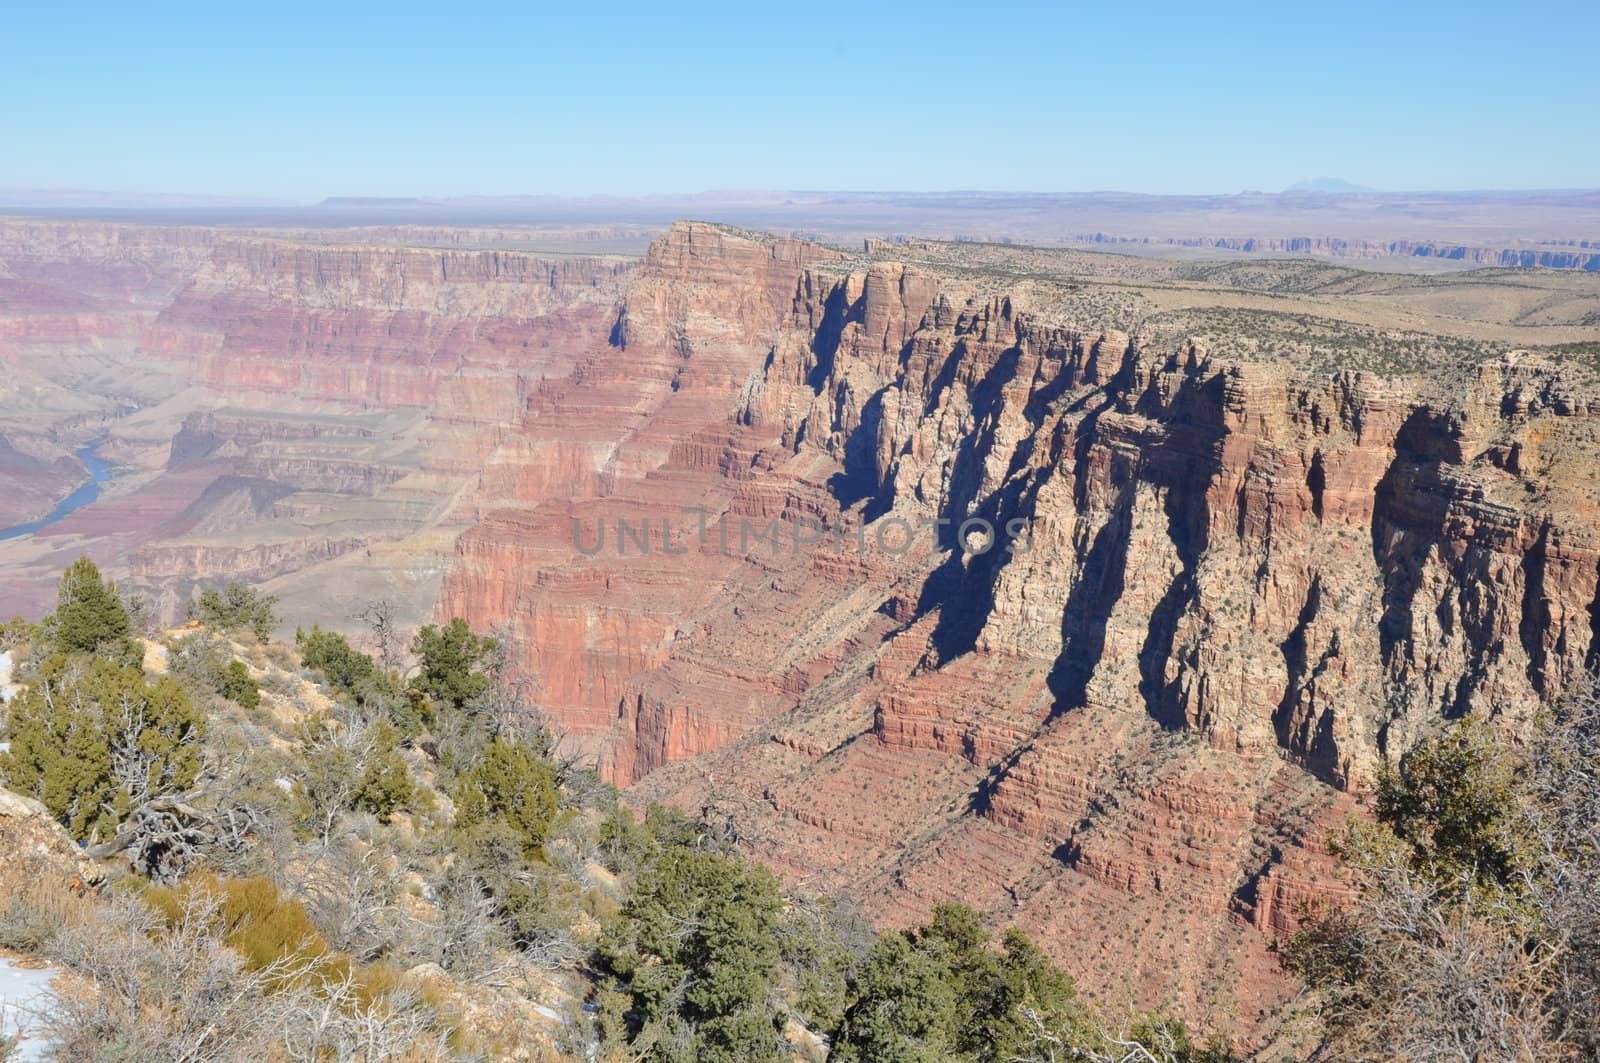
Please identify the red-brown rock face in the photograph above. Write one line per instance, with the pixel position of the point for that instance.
(1216, 594)
(636, 432)
(381, 326)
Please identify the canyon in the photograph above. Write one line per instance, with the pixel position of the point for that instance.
(270, 406)
(1091, 589)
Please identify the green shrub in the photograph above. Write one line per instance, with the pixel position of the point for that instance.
(386, 785)
(89, 741)
(693, 957)
(1453, 800)
(903, 1007)
(206, 665)
(511, 785)
(238, 687)
(330, 653)
(942, 992)
(236, 608)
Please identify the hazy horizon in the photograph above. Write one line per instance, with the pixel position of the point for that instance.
(119, 198)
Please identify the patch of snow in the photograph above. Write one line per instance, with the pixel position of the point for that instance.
(22, 993)
(7, 690)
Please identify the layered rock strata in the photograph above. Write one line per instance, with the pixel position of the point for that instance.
(1099, 635)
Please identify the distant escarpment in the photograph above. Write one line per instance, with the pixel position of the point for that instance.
(130, 264)
(388, 373)
(1580, 255)
(935, 593)
(380, 325)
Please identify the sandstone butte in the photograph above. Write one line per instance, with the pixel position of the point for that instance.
(1245, 586)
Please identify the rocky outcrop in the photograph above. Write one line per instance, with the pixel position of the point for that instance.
(1308, 546)
(162, 563)
(623, 437)
(36, 848)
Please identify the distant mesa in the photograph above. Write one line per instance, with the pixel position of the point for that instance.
(1330, 186)
(375, 201)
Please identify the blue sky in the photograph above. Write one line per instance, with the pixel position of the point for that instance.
(298, 101)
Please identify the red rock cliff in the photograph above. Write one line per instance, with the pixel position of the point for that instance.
(1242, 587)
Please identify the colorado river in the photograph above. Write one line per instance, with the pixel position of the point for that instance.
(99, 473)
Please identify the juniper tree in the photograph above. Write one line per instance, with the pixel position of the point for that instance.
(941, 992)
(451, 671)
(89, 615)
(903, 1008)
(93, 742)
(330, 653)
(510, 785)
(238, 687)
(694, 955)
(386, 785)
